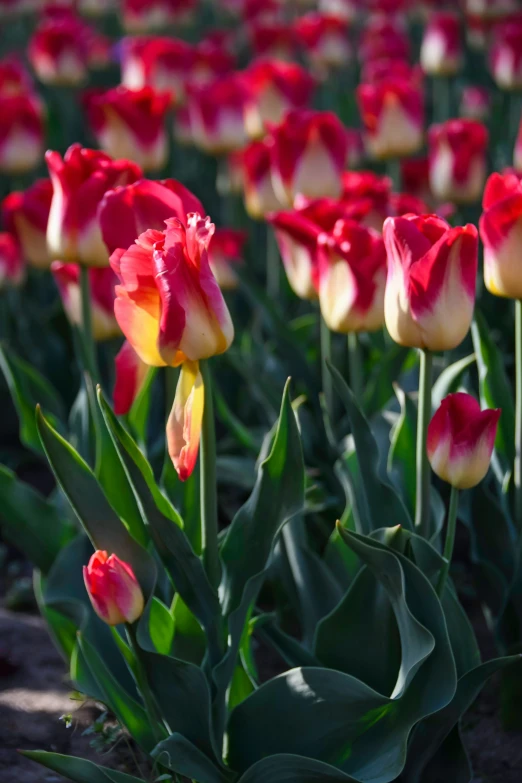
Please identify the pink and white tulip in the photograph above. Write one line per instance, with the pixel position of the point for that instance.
(113, 589)
(457, 160)
(501, 233)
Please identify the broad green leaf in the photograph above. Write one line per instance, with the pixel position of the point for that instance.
(189, 640)
(378, 389)
(290, 650)
(161, 627)
(28, 388)
(450, 379)
(139, 413)
(495, 390)
(79, 770)
(284, 768)
(185, 497)
(375, 503)
(240, 687)
(181, 756)
(30, 522)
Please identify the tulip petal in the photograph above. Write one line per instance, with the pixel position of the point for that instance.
(185, 420)
(131, 373)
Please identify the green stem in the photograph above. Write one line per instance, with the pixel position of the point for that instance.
(393, 171)
(273, 264)
(518, 415)
(355, 365)
(422, 505)
(88, 339)
(450, 540)
(326, 375)
(208, 485)
(140, 675)
(171, 381)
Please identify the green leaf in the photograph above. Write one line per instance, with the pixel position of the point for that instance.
(495, 390)
(450, 379)
(284, 768)
(28, 388)
(78, 770)
(378, 389)
(240, 687)
(190, 641)
(161, 627)
(181, 756)
(375, 503)
(401, 457)
(184, 496)
(30, 522)
(139, 413)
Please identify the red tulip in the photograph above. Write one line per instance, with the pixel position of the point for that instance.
(21, 133)
(25, 215)
(430, 290)
(415, 177)
(162, 63)
(506, 55)
(127, 212)
(386, 68)
(80, 180)
(58, 52)
(461, 439)
(344, 9)
(210, 61)
(224, 252)
(141, 16)
(457, 160)
(131, 123)
(406, 204)
(393, 117)
(475, 103)
(216, 115)
(100, 51)
(14, 79)
(273, 40)
(308, 155)
(325, 40)
(366, 197)
(12, 270)
(501, 234)
(383, 37)
(102, 282)
(260, 198)
(441, 49)
(114, 591)
(275, 87)
(490, 9)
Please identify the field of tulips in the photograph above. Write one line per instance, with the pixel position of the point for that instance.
(261, 386)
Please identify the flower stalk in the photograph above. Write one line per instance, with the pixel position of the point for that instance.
(87, 334)
(518, 414)
(450, 541)
(208, 484)
(355, 366)
(422, 504)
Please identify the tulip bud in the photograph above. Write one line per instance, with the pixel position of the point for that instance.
(80, 180)
(12, 270)
(506, 56)
(441, 50)
(260, 197)
(461, 439)
(457, 160)
(185, 420)
(114, 591)
(308, 156)
(131, 123)
(501, 234)
(58, 52)
(352, 276)
(102, 282)
(224, 252)
(393, 117)
(25, 215)
(21, 134)
(216, 116)
(430, 290)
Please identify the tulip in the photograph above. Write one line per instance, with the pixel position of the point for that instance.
(366, 197)
(393, 117)
(216, 116)
(461, 439)
(186, 419)
(224, 252)
(384, 68)
(133, 57)
(430, 289)
(383, 37)
(102, 282)
(274, 40)
(415, 177)
(441, 49)
(506, 56)
(352, 276)
(131, 123)
(308, 155)
(457, 160)
(12, 270)
(325, 40)
(21, 134)
(260, 197)
(209, 62)
(25, 215)
(58, 52)
(162, 63)
(343, 9)
(141, 16)
(475, 103)
(131, 374)
(501, 234)
(113, 589)
(128, 211)
(80, 181)
(14, 79)
(406, 203)
(274, 87)
(490, 9)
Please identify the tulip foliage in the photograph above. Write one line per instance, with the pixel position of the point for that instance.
(248, 337)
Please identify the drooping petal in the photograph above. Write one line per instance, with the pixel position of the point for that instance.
(185, 420)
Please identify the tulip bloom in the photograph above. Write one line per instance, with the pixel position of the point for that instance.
(308, 155)
(12, 270)
(58, 52)
(273, 40)
(80, 179)
(274, 88)
(457, 160)
(352, 277)
(14, 79)
(102, 282)
(430, 290)
(142, 16)
(260, 197)
(501, 234)
(224, 252)
(25, 215)
(506, 56)
(162, 63)
(366, 197)
(113, 589)
(383, 37)
(415, 177)
(384, 69)
(393, 118)
(131, 123)
(475, 103)
(21, 134)
(441, 49)
(325, 40)
(461, 439)
(216, 116)
(210, 61)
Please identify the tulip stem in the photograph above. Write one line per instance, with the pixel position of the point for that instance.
(326, 376)
(138, 669)
(355, 366)
(518, 415)
(88, 339)
(422, 504)
(273, 264)
(208, 484)
(450, 540)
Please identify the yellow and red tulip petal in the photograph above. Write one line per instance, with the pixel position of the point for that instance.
(185, 420)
